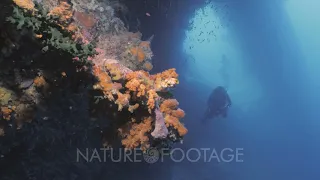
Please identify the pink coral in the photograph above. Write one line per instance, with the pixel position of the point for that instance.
(160, 130)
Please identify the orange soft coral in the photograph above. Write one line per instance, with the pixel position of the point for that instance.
(141, 56)
(39, 81)
(175, 123)
(6, 113)
(137, 75)
(115, 71)
(143, 84)
(25, 4)
(72, 28)
(63, 11)
(179, 113)
(122, 100)
(170, 73)
(133, 107)
(109, 87)
(145, 44)
(166, 79)
(168, 105)
(135, 134)
(172, 115)
(133, 85)
(152, 99)
(139, 82)
(139, 53)
(105, 83)
(148, 66)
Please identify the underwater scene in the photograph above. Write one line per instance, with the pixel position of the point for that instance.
(159, 89)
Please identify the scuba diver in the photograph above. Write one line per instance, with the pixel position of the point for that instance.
(217, 104)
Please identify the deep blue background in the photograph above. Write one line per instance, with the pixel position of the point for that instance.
(279, 41)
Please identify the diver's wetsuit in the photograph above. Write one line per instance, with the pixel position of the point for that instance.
(218, 103)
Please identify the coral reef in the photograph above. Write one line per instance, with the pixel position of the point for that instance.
(135, 134)
(172, 115)
(79, 58)
(25, 4)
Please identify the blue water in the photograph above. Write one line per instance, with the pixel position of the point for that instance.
(267, 55)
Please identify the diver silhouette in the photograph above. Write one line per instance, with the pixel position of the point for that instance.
(218, 104)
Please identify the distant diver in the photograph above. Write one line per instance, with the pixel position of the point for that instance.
(217, 104)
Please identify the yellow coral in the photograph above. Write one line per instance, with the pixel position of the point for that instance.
(25, 4)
